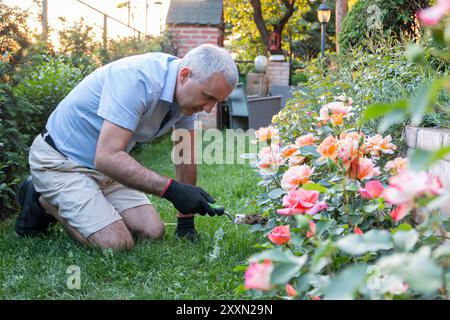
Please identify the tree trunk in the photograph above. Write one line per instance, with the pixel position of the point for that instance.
(341, 12)
(278, 27)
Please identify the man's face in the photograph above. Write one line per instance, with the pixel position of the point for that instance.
(193, 96)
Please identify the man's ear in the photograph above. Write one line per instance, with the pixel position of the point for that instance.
(185, 73)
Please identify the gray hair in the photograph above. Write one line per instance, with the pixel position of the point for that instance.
(208, 60)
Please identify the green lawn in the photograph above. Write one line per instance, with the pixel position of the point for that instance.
(171, 269)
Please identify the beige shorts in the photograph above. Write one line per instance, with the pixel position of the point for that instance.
(87, 199)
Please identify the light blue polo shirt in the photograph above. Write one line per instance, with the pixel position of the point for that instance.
(134, 93)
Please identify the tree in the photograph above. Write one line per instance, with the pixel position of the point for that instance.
(341, 12)
(244, 38)
(277, 27)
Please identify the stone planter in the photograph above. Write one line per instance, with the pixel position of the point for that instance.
(432, 139)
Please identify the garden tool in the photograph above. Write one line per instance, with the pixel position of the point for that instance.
(215, 206)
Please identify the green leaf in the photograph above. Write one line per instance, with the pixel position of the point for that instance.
(320, 258)
(405, 240)
(277, 255)
(378, 110)
(371, 207)
(284, 272)
(345, 285)
(372, 240)
(424, 101)
(309, 151)
(302, 220)
(422, 159)
(276, 193)
(315, 187)
(391, 119)
(256, 227)
(402, 227)
(418, 269)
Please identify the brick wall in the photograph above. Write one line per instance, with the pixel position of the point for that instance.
(432, 139)
(278, 73)
(187, 37)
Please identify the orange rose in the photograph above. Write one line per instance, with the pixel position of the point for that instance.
(328, 148)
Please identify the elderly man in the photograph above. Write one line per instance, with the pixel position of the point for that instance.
(81, 172)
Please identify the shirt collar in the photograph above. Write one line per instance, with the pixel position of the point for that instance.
(170, 81)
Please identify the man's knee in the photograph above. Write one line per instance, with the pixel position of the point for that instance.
(154, 231)
(145, 222)
(114, 236)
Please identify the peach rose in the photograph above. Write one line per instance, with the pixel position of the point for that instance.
(333, 109)
(296, 176)
(269, 134)
(328, 148)
(377, 145)
(363, 169)
(397, 165)
(306, 140)
(289, 150)
(296, 160)
(269, 159)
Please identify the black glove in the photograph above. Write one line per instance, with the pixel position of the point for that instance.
(188, 199)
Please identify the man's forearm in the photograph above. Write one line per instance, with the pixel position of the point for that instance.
(124, 169)
(186, 173)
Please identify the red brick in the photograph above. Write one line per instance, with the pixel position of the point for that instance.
(209, 31)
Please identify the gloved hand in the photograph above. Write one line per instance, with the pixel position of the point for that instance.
(188, 199)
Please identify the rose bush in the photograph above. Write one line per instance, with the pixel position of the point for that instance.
(348, 217)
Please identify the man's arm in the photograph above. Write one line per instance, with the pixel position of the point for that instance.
(112, 160)
(187, 172)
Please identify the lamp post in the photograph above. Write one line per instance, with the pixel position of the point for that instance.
(323, 15)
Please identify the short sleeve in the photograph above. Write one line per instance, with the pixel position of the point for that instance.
(186, 122)
(124, 97)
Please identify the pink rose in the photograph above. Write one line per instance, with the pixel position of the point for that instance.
(372, 190)
(432, 15)
(400, 212)
(405, 187)
(280, 235)
(358, 230)
(296, 176)
(257, 276)
(301, 201)
(312, 229)
(291, 292)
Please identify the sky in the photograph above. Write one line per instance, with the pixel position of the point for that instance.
(73, 10)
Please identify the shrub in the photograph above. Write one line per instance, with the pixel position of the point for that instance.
(397, 17)
(45, 86)
(15, 113)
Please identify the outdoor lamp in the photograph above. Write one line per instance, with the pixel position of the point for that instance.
(323, 15)
(260, 67)
(261, 64)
